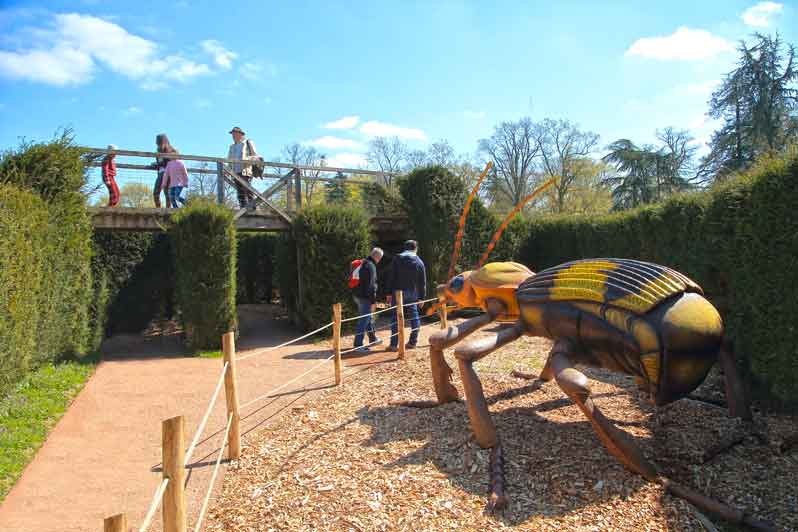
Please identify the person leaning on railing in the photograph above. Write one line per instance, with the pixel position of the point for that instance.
(109, 177)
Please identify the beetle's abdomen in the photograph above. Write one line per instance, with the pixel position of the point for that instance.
(624, 283)
(691, 330)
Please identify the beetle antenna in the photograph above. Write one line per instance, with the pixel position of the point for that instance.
(461, 227)
(509, 218)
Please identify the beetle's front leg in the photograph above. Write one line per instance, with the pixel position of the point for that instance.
(478, 413)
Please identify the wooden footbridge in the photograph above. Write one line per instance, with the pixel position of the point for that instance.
(261, 214)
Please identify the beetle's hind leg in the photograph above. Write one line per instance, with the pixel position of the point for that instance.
(575, 385)
(546, 374)
(478, 413)
(735, 393)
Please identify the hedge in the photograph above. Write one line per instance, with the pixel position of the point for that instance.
(203, 240)
(255, 267)
(327, 238)
(739, 242)
(139, 278)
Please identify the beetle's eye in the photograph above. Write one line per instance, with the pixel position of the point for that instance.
(457, 284)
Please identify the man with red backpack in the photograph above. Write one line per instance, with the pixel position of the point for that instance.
(363, 282)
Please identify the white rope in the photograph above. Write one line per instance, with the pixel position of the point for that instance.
(377, 341)
(201, 427)
(213, 477)
(156, 501)
(420, 302)
(369, 314)
(268, 349)
(264, 396)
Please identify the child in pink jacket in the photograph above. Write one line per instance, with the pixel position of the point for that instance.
(175, 179)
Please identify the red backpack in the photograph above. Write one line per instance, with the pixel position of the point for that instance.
(354, 273)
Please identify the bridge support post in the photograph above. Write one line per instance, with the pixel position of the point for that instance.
(219, 183)
(298, 187)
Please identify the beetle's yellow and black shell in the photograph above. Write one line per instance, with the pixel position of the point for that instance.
(635, 317)
(632, 285)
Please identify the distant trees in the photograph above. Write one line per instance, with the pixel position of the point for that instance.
(387, 155)
(298, 154)
(336, 191)
(758, 103)
(513, 147)
(649, 173)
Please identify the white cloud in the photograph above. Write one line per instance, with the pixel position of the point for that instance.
(684, 44)
(474, 114)
(373, 128)
(335, 143)
(703, 89)
(69, 52)
(348, 160)
(347, 122)
(132, 110)
(221, 56)
(251, 70)
(759, 15)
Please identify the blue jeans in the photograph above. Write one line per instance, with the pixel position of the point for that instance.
(411, 313)
(364, 324)
(174, 196)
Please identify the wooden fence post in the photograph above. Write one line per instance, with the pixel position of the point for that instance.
(337, 342)
(115, 523)
(174, 468)
(231, 394)
(400, 321)
(442, 312)
(298, 187)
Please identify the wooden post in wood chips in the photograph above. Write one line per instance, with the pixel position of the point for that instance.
(231, 395)
(337, 342)
(400, 322)
(174, 468)
(115, 523)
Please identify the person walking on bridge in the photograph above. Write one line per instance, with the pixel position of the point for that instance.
(242, 149)
(175, 177)
(109, 177)
(409, 275)
(163, 146)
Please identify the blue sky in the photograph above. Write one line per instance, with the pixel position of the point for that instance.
(121, 72)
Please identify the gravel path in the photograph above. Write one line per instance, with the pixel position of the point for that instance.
(104, 455)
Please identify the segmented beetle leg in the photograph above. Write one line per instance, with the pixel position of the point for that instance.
(736, 397)
(497, 501)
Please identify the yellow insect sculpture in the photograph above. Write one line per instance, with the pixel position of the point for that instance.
(628, 316)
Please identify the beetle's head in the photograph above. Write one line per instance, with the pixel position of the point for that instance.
(458, 291)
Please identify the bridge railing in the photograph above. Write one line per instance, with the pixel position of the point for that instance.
(214, 176)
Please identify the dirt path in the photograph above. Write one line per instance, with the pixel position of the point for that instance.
(104, 455)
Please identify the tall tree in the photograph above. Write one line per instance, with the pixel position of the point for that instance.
(300, 155)
(336, 191)
(513, 148)
(441, 153)
(387, 154)
(758, 103)
(649, 173)
(562, 148)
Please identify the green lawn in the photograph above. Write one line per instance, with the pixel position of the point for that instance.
(32, 408)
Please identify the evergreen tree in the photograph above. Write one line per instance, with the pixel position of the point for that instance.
(337, 191)
(758, 103)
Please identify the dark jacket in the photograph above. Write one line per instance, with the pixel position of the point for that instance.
(367, 289)
(408, 273)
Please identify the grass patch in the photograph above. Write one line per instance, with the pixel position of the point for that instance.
(209, 354)
(31, 409)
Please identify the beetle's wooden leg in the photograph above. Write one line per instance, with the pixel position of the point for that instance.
(575, 385)
(478, 413)
(735, 393)
(441, 372)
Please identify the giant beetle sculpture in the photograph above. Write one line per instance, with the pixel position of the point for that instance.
(627, 316)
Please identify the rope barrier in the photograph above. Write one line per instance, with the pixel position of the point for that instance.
(201, 427)
(262, 351)
(420, 302)
(369, 314)
(213, 476)
(377, 341)
(265, 396)
(156, 501)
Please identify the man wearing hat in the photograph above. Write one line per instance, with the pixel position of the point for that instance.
(409, 275)
(242, 149)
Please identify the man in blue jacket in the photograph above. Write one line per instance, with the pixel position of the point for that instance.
(365, 294)
(409, 275)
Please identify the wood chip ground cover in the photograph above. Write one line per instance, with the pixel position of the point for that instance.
(353, 460)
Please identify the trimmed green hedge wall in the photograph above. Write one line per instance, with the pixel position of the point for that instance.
(203, 239)
(328, 239)
(255, 268)
(739, 242)
(138, 271)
